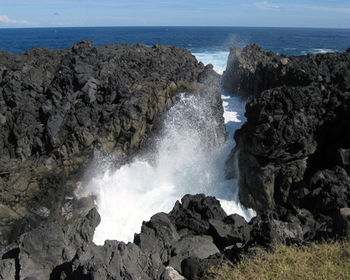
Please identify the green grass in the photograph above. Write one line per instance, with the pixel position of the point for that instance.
(329, 260)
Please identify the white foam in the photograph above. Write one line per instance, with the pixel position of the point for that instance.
(218, 59)
(318, 50)
(190, 159)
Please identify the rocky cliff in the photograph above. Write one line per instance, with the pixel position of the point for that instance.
(61, 110)
(294, 149)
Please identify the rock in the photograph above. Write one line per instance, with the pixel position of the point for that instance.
(42, 249)
(114, 260)
(342, 222)
(171, 274)
(191, 268)
(329, 190)
(62, 109)
(269, 228)
(56, 251)
(251, 71)
(344, 158)
(234, 229)
(194, 212)
(200, 247)
(8, 269)
(233, 252)
(157, 236)
(296, 121)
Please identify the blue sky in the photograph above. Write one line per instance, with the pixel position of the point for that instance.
(284, 13)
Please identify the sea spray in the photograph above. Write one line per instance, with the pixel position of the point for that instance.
(190, 158)
(217, 58)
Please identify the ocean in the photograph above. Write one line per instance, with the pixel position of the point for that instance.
(210, 44)
(133, 193)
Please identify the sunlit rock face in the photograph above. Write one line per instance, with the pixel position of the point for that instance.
(295, 130)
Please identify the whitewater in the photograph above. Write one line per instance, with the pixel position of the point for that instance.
(189, 159)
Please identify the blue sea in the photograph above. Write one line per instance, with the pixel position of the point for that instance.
(209, 44)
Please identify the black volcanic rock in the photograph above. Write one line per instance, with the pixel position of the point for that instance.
(296, 125)
(164, 248)
(194, 213)
(60, 110)
(251, 70)
(53, 251)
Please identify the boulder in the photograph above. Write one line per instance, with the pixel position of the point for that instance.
(194, 212)
(232, 230)
(201, 247)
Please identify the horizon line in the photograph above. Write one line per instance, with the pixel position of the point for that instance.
(173, 26)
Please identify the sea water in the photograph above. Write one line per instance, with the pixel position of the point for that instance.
(210, 40)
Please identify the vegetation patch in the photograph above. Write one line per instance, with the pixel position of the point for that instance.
(329, 260)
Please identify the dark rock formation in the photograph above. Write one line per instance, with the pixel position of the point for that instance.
(293, 151)
(296, 124)
(166, 247)
(251, 70)
(60, 110)
(54, 252)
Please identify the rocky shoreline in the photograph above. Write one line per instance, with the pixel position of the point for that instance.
(60, 110)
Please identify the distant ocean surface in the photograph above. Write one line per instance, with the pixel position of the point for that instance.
(209, 44)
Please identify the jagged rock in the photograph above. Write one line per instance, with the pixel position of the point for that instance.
(234, 252)
(251, 71)
(39, 251)
(191, 268)
(61, 109)
(296, 120)
(234, 229)
(158, 236)
(54, 251)
(114, 260)
(329, 190)
(194, 212)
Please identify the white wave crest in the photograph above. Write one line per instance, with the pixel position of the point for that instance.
(218, 59)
